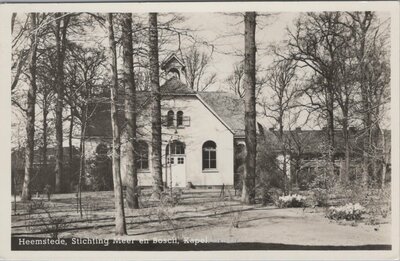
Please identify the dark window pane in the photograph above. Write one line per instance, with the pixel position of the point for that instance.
(170, 118)
(213, 155)
(179, 118)
(142, 158)
(145, 164)
(206, 164)
(209, 155)
(205, 155)
(213, 164)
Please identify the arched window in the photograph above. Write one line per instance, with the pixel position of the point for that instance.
(177, 148)
(179, 118)
(170, 118)
(173, 72)
(209, 155)
(102, 150)
(142, 155)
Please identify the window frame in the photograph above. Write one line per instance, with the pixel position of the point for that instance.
(140, 155)
(206, 162)
(174, 145)
(179, 119)
(170, 118)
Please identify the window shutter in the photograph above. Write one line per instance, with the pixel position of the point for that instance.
(186, 121)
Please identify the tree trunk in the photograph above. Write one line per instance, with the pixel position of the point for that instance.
(82, 158)
(61, 41)
(130, 112)
(386, 158)
(120, 226)
(155, 106)
(248, 195)
(13, 17)
(346, 136)
(30, 112)
(71, 151)
(365, 99)
(331, 126)
(284, 154)
(45, 129)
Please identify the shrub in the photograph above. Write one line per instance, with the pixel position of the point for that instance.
(348, 212)
(99, 170)
(292, 201)
(321, 197)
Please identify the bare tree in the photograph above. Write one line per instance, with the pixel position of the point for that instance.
(30, 109)
(120, 226)
(130, 110)
(196, 64)
(282, 96)
(60, 30)
(155, 106)
(45, 96)
(248, 192)
(315, 42)
(84, 73)
(236, 78)
(373, 77)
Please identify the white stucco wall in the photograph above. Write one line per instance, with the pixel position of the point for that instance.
(204, 126)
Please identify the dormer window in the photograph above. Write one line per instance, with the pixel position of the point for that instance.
(179, 118)
(170, 119)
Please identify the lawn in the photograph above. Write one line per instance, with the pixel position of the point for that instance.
(199, 215)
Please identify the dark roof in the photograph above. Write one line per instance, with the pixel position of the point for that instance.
(169, 58)
(228, 107)
(99, 123)
(313, 142)
(174, 86)
(18, 156)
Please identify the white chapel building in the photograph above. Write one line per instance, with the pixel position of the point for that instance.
(199, 132)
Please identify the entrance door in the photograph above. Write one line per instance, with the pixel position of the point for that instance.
(176, 164)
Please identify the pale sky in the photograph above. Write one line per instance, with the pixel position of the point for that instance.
(217, 28)
(224, 32)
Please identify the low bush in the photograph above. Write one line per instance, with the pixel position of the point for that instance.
(348, 212)
(320, 197)
(292, 201)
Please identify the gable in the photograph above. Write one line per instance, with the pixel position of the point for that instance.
(226, 107)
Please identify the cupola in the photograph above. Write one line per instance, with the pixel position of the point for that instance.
(173, 67)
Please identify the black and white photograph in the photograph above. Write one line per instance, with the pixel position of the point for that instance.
(234, 128)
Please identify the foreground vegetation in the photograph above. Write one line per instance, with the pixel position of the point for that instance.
(197, 214)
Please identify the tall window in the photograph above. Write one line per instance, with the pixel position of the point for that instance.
(209, 155)
(179, 118)
(170, 119)
(142, 156)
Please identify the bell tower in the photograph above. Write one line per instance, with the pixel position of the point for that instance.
(174, 67)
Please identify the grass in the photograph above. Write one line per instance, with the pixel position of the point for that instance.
(197, 214)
